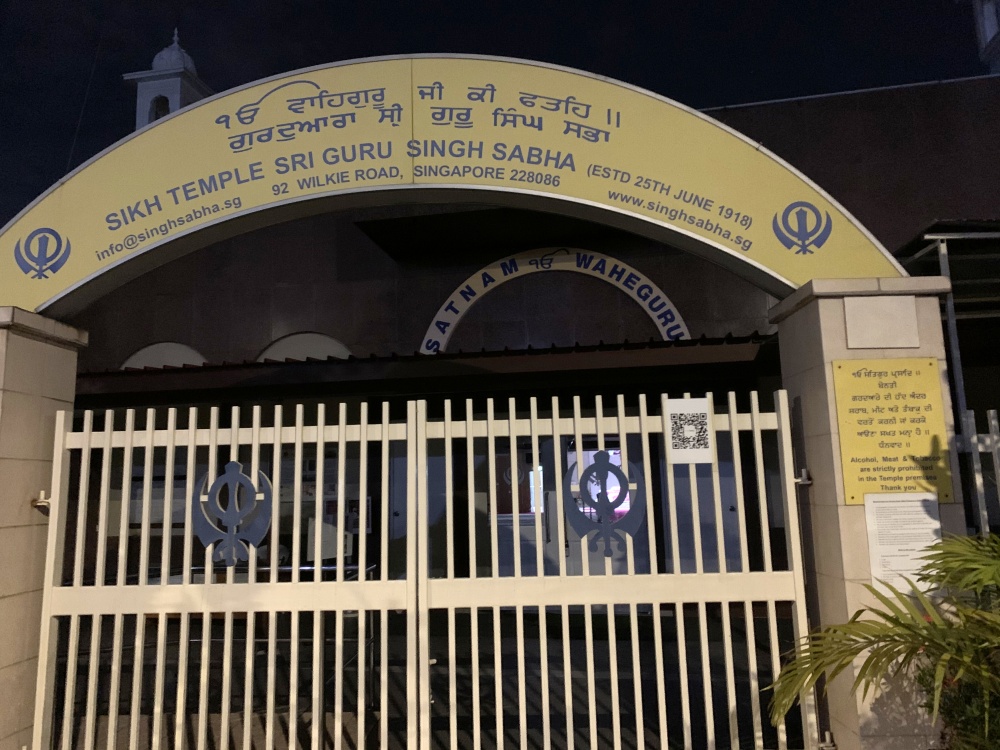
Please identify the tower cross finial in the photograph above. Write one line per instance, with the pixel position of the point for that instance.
(176, 36)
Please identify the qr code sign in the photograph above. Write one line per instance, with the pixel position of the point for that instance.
(689, 431)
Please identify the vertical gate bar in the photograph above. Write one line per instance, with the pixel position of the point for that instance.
(515, 508)
(339, 670)
(495, 567)
(449, 546)
(452, 683)
(297, 496)
(138, 657)
(793, 535)
(470, 480)
(682, 663)
(190, 500)
(99, 564)
(491, 510)
(734, 436)
(274, 534)
(616, 703)
(161, 658)
(167, 530)
(142, 578)
(675, 551)
(758, 733)
(772, 629)
(654, 570)
(209, 575)
(147, 498)
(293, 679)
(557, 449)
(477, 740)
(227, 638)
(90, 721)
(498, 678)
(640, 731)
(318, 720)
(82, 498)
(117, 637)
(567, 676)
(341, 490)
(113, 692)
(706, 672)
(414, 672)
(713, 445)
(100, 561)
(227, 679)
(696, 528)
(272, 545)
(521, 677)
(588, 612)
(384, 485)
(126, 491)
(758, 451)
(449, 490)
(180, 714)
(539, 490)
(515, 500)
(727, 650)
(293, 646)
(72, 658)
(180, 718)
(543, 636)
(338, 673)
(588, 626)
(363, 615)
(95, 630)
(616, 729)
(251, 623)
(272, 647)
(419, 520)
(384, 678)
(384, 576)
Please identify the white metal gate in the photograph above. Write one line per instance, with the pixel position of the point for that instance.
(479, 593)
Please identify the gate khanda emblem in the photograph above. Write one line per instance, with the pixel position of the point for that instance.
(808, 230)
(43, 253)
(596, 512)
(243, 522)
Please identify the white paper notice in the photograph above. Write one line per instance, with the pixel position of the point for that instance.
(690, 437)
(901, 526)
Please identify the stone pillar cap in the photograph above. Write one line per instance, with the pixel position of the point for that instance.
(39, 327)
(918, 286)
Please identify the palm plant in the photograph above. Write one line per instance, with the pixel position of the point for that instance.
(947, 640)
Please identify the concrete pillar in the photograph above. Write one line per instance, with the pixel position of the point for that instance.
(37, 379)
(836, 319)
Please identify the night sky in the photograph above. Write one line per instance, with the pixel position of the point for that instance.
(703, 54)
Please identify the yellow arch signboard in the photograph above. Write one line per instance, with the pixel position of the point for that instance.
(524, 132)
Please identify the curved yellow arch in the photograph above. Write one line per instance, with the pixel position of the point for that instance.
(407, 129)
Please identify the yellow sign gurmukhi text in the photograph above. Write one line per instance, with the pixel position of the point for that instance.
(456, 123)
(893, 437)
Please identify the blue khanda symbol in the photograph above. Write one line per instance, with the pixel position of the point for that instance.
(599, 514)
(243, 521)
(802, 227)
(43, 253)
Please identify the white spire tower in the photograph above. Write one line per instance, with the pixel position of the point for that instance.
(172, 83)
